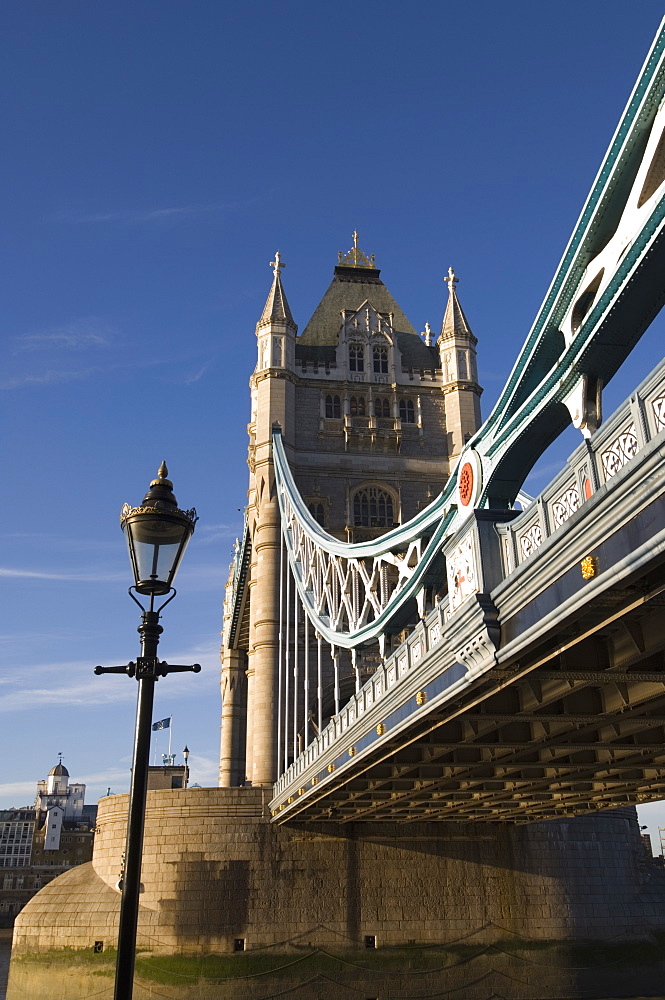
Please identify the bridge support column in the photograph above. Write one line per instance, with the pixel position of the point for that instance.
(264, 642)
(234, 709)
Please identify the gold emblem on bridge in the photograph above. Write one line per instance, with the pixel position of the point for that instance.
(313, 781)
(381, 729)
(301, 791)
(421, 697)
(352, 751)
(589, 567)
(331, 768)
(290, 799)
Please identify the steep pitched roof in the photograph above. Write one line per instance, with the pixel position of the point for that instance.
(455, 322)
(350, 287)
(277, 306)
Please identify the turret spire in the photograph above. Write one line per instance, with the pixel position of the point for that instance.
(277, 308)
(454, 321)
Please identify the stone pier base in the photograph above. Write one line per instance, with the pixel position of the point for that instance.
(235, 907)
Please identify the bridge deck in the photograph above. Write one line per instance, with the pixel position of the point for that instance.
(543, 693)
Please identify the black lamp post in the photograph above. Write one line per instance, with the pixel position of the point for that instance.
(157, 534)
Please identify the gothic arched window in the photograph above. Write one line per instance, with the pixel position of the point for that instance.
(357, 406)
(382, 406)
(407, 411)
(333, 407)
(380, 360)
(317, 511)
(373, 507)
(356, 358)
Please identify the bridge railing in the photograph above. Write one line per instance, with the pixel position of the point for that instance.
(595, 465)
(427, 636)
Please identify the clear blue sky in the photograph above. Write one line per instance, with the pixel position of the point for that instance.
(156, 155)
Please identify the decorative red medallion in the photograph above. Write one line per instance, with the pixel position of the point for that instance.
(466, 484)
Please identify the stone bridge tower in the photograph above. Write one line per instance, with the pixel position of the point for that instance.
(373, 416)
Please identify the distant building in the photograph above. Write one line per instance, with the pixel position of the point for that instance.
(168, 776)
(39, 843)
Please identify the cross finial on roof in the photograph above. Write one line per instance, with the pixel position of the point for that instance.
(277, 265)
(355, 257)
(427, 334)
(451, 279)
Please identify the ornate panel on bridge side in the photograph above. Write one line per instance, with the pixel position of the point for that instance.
(620, 451)
(658, 407)
(462, 569)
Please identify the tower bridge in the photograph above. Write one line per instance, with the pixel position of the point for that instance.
(421, 663)
(373, 621)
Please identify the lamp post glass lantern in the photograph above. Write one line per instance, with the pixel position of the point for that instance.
(157, 534)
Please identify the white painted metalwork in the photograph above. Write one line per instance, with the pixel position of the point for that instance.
(565, 505)
(531, 540)
(621, 450)
(658, 406)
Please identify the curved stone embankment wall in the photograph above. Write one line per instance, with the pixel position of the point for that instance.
(215, 869)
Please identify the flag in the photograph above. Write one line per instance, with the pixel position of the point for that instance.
(162, 724)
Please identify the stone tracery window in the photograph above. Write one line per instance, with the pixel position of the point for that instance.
(407, 411)
(382, 406)
(333, 407)
(356, 358)
(357, 406)
(317, 511)
(373, 507)
(380, 360)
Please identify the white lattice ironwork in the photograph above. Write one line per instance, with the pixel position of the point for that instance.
(350, 592)
(621, 450)
(565, 505)
(659, 412)
(531, 540)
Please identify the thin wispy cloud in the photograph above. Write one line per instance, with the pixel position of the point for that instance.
(207, 533)
(203, 770)
(143, 216)
(54, 376)
(546, 471)
(12, 572)
(195, 376)
(93, 692)
(80, 334)
(101, 691)
(23, 792)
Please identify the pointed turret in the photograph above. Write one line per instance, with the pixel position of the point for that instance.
(277, 309)
(276, 330)
(457, 348)
(455, 323)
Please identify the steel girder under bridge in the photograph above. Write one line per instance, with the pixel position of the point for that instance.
(542, 693)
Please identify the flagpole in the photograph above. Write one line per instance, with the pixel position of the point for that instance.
(170, 728)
